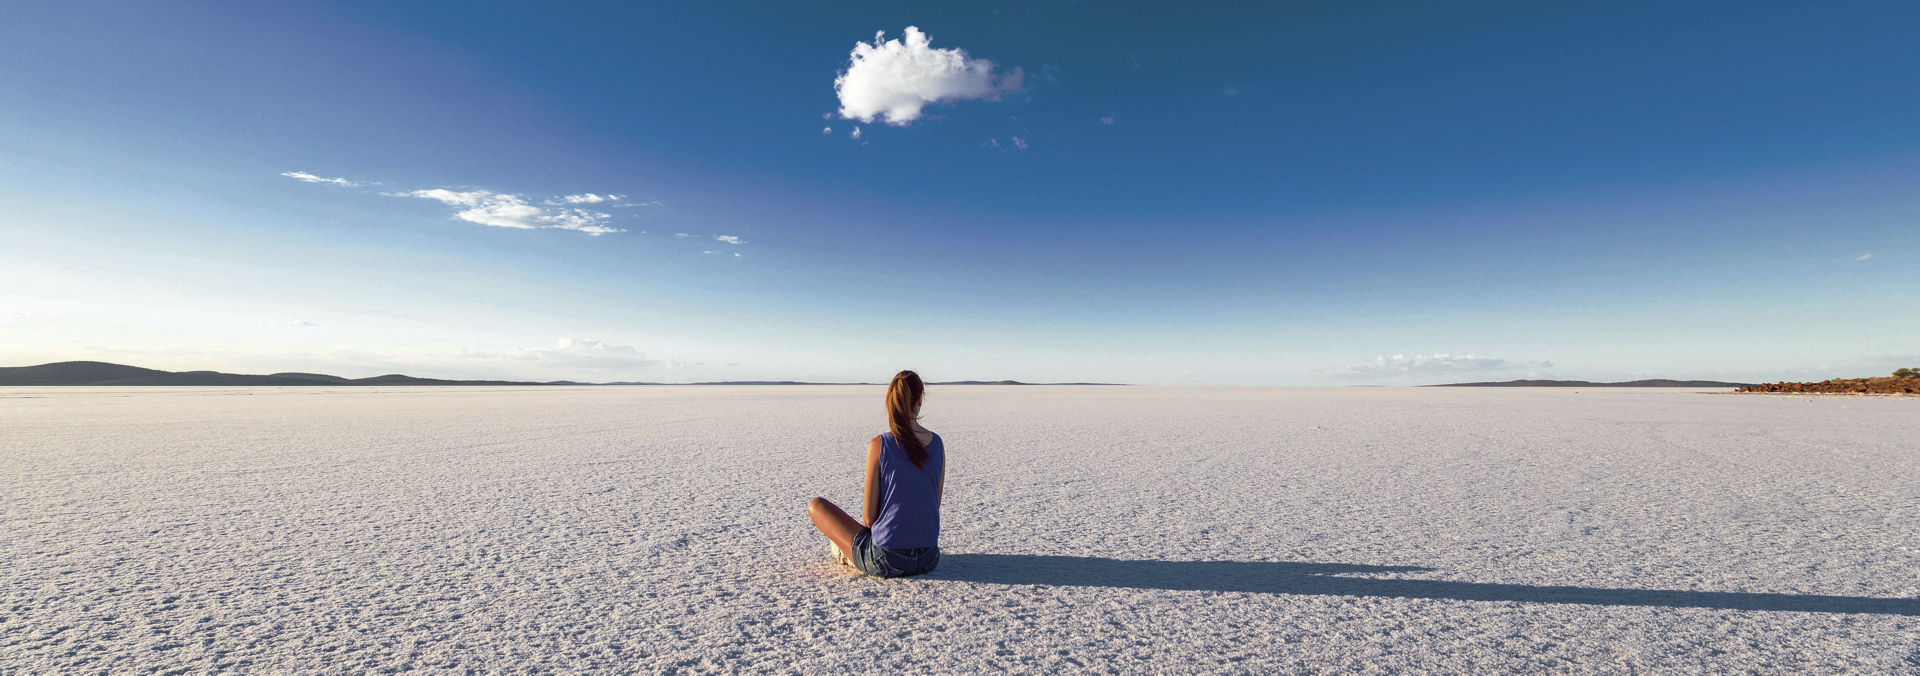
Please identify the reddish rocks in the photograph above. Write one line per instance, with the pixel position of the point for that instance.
(1906, 385)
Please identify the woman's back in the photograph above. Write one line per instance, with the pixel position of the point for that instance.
(899, 534)
(909, 515)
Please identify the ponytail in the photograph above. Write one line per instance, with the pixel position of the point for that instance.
(902, 395)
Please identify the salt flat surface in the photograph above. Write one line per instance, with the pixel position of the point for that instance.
(1087, 528)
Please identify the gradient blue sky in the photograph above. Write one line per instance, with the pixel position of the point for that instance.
(1307, 193)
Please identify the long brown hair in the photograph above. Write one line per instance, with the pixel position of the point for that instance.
(903, 394)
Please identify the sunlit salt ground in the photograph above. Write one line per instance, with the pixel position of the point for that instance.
(1087, 528)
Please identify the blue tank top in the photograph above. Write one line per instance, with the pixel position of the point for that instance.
(909, 496)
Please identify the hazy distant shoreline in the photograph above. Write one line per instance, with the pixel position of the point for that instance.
(103, 374)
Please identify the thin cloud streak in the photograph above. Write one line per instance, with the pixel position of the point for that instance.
(1401, 365)
(590, 198)
(310, 178)
(512, 211)
(572, 353)
(506, 210)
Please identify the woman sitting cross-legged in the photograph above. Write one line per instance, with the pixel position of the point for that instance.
(906, 476)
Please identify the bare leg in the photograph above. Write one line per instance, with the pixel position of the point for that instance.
(835, 524)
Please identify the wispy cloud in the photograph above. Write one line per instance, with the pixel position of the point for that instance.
(508, 210)
(293, 322)
(1428, 364)
(856, 133)
(590, 198)
(573, 353)
(310, 178)
(1020, 143)
(513, 211)
(895, 79)
(730, 239)
(1864, 257)
(1108, 119)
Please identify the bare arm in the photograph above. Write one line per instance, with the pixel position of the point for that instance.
(872, 503)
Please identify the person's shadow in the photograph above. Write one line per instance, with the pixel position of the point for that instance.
(1338, 579)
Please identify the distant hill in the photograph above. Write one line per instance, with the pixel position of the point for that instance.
(310, 376)
(89, 373)
(1657, 382)
(95, 373)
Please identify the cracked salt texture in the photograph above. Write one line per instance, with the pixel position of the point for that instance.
(1087, 528)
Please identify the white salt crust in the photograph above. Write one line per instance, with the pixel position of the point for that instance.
(1104, 529)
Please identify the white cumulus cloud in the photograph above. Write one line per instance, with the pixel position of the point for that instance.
(856, 133)
(310, 178)
(895, 79)
(513, 211)
(730, 239)
(1020, 143)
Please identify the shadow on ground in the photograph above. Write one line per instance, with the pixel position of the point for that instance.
(1332, 579)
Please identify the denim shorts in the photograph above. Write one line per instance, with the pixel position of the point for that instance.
(891, 562)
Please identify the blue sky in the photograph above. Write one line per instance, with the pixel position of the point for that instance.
(1326, 193)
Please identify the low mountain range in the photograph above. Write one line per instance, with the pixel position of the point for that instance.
(95, 373)
(102, 373)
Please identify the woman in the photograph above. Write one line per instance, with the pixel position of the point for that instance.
(906, 477)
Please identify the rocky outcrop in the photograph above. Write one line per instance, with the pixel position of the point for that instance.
(1906, 385)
